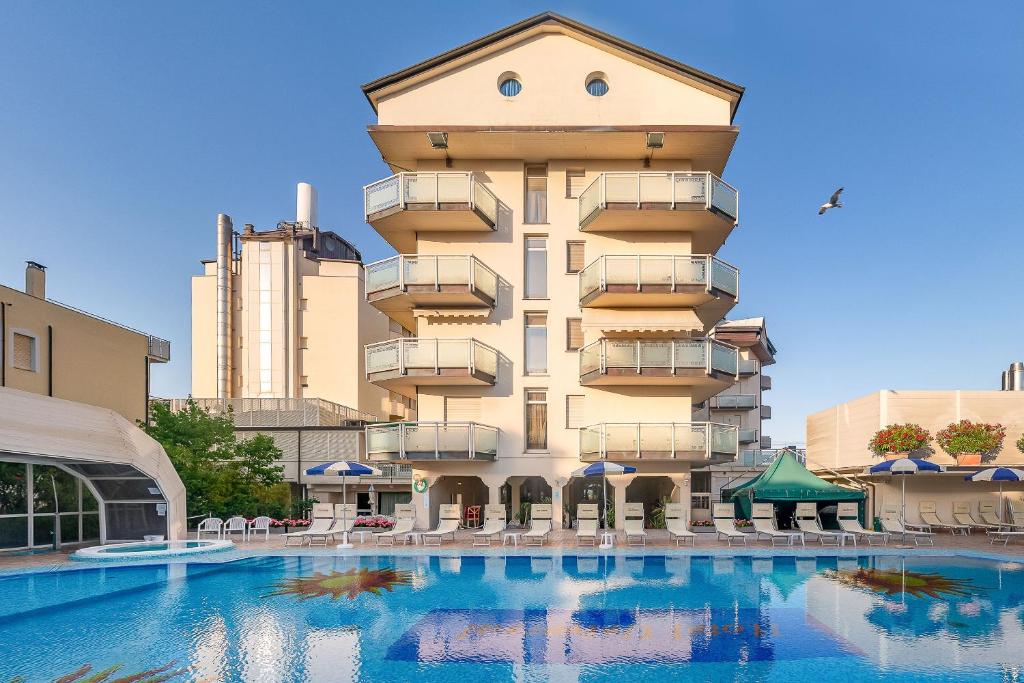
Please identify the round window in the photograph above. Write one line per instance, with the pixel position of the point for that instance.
(510, 87)
(597, 86)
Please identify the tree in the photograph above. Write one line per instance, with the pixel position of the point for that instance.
(222, 475)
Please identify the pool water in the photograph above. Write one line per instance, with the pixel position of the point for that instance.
(153, 547)
(521, 618)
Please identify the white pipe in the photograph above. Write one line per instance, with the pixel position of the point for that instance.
(224, 237)
(305, 206)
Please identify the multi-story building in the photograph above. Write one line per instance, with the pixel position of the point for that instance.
(557, 206)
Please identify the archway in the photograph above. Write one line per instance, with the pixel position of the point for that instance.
(650, 491)
(584, 490)
(519, 493)
(466, 492)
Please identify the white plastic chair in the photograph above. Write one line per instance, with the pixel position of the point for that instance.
(236, 523)
(210, 525)
(260, 524)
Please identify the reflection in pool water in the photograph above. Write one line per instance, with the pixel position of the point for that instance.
(595, 618)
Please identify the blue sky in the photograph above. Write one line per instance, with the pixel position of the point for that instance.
(126, 127)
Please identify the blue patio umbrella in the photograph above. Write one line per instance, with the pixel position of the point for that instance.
(604, 468)
(999, 474)
(904, 466)
(343, 468)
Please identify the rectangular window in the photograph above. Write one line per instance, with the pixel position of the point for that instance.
(575, 256)
(536, 344)
(536, 268)
(536, 209)
(575, 182)
(573, 334)
(24, 352)
(536, 420)
(575, 412)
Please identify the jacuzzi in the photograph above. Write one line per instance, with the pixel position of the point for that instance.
(150, 550)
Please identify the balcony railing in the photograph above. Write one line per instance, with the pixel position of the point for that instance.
(766, 412)
(159, 350)
(748, 435)
(435, 273)
(276, 412)
(734, 402)
(766, 441)
(669, 190)
(663, 274)
(410, 355)
(431, 441)
(654, 356)
(691, 441)
(766, 382)
(430, 190)
(756, 457)
(748, 366)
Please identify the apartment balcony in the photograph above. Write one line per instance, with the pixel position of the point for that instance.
(766, 412)
(757, 457)
(645, 281)
(748, 435)
(766, 382)
(456, 285)
(412, 441)
(733, 402)
(706, 443)
(275, 412)
(766, 442)
(686, 201)
(707, 365)
(403, 364)
(448, 201)
(748, 367)
(158, 350)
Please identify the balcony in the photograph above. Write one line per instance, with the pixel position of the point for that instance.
(411, 441)
(705, 364)
(748, 366)
(403, 364)
(748, 435)
(406, 203)
(706, 443)
(756, 457)
(400, 284)
(766, 382)
(685, 201)
(158, 350)
(766, 442)
(275, 412)
(766, 412)
(734, 402)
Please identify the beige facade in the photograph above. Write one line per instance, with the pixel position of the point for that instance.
(557, 239)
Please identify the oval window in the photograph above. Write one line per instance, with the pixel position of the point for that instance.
(598, 87)
(510, 87)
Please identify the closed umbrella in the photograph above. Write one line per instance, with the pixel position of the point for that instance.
(904, 466)
(999, 474)
(344, 468)
(604, 469)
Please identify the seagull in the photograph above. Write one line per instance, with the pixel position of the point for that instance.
(832, 203)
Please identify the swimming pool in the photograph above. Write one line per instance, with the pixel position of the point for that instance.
(492, 618)
(150, 550)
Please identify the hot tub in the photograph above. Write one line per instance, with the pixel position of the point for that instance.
(150, 550)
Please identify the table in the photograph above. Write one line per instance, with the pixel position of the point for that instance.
(415, 536)
(514, 537)
(607, 539)
(361, 533)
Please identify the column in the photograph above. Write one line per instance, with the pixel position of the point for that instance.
(421, 499)
(620, 483)
(681, 492)
(514, 483)
(556, 484)
(493, 484)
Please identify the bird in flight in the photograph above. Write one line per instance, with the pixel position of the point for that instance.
(832, 203)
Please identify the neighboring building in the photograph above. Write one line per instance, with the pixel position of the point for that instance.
(557, 208)
(51, 349)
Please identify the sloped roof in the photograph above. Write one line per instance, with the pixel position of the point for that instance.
(786, 480)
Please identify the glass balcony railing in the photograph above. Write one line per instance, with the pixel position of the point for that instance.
(664, 190)
(436, 273)
(669, 355)
(734, 402)
(691, 441)
(658, 273)
(748, 435)
(431, 441)
(411, 355)
(158, 350)
(426, 190)
(748, 366)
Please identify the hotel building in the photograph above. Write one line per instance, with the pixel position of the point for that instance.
(556, 200)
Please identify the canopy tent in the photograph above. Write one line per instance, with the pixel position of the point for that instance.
(787, 481)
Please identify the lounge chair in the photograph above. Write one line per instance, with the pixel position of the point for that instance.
(634, 525)
(988, 515)
(893, 525)
(849, 521)
(586, 524)
(323, 518)
(495, 521)
(807, 522)
(449, 518)
(260, 524)
(763, 515)
(210, 525)
(236, 523)
(344, 519)
(962, 515)
(540, 524)
(1016, 508)
(405, 521)
(929, 515)
(675, 522)
(725, 524)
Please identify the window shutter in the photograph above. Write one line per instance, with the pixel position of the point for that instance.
(462, 408)
(575, 182)
(575, 256)
(575, 412)
(573, 334)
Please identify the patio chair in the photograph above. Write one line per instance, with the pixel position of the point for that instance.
(763, 515)
(893, 525)
(634, 525)
(495, 521)
(210, 525)
(849, 521)
(677, 526)
(323, 518)
(236, 523)
(586, 524)
(722, 515)
(927, 510)
(1016, 509)
(540, 524)
(405, 521)
(344, 518)
(449, 517)
(261, 523)
(962, 515)
(807, 521)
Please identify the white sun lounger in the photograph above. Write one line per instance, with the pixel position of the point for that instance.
(405, 521)
(323, 518)
(725, 524)
(807, 522)
(634, 525)
(962, 515)
(448, 521)
(540, 524)
(495, 521)
(988, 515)
(849, 521)
(586, 524)
(929, 515)
(1016, 509)
(763, 515)
(678, 528)
(344, 519)
(891, 524)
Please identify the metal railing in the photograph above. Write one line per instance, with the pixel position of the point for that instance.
(650, 270)
(425, 188)
(276, 412)
(432, 441)
(159, 349)
(639, 354)
(658, 440)
(434, 271)
(733, 402)
(677, 189)
(389, 473)
(748, 366)
(413, 353)
(748, 435)
(766, 382)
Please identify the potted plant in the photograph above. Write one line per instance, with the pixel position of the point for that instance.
(899, 440)
(969, 442)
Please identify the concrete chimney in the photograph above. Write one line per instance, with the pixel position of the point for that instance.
(305, 206)
(224, 237)
(35, 279)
